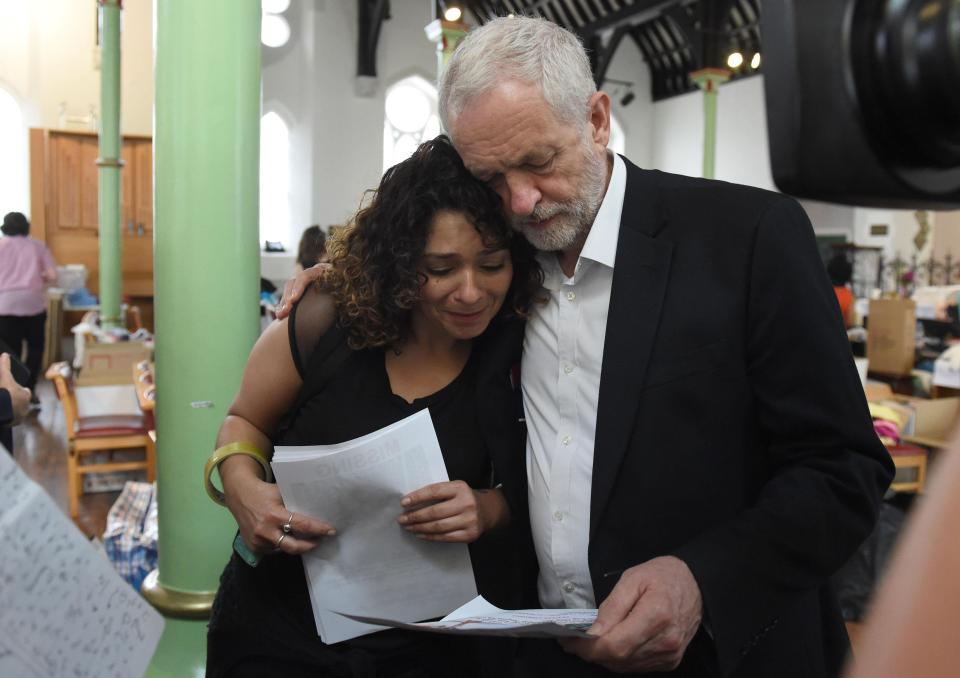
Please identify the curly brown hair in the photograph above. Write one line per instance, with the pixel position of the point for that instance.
(375, 278)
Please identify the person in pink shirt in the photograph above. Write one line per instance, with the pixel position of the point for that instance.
(26, 268)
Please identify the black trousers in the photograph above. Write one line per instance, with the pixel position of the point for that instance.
(15, 330)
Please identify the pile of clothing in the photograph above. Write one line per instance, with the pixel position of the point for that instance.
(130, 539)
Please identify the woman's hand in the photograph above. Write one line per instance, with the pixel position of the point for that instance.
(261, 516)
(452, 511)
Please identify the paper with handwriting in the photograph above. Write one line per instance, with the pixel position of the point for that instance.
(64, 611)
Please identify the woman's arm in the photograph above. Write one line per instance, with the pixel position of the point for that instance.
(453, 511)
(268, 390)
(911, 629)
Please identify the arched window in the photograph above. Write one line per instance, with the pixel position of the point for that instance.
(14, 196)
(618, 140)
(274, 179)
(410, 117)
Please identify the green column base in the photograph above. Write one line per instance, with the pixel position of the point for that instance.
(177, 604)
(182, 652)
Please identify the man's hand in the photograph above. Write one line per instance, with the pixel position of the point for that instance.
(294, 289)
(647, 621)
(19, 396)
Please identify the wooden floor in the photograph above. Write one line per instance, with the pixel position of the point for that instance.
(40, 447)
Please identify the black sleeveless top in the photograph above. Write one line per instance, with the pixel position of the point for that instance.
(356, 399)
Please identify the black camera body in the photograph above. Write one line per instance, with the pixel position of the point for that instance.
(863, 100)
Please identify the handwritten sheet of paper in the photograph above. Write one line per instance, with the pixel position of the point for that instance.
(373, 566)
(480, 618)
(63, 609)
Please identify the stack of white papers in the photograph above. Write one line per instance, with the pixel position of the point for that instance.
(373, 567)
(64, 611)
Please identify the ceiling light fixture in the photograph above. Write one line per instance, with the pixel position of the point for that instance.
(755, 61)
(450, 11)
(735, 60)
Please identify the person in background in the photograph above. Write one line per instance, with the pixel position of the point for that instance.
(26, 268)
(840, 271)
(312, 248)
(14, 403)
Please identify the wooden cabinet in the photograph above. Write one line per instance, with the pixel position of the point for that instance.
(64, 204)
(136, 216)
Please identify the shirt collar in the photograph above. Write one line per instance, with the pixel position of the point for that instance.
(601, 243)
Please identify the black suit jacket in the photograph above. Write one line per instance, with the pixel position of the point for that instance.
(732, 429)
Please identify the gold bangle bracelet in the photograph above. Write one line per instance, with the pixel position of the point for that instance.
(228, 450)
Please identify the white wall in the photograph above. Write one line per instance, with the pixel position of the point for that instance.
(903, 227)
(636, 117)
(830, 219)
(348, 142)
(742, 154)
(47, 56)
(288, 91)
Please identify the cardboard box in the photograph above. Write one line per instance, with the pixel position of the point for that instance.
(877, 391)
(105, 364)
(928, 422)
(891, 336)
(933, 422)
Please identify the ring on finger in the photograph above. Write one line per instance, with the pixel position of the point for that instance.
(287, 527)
(280, 541)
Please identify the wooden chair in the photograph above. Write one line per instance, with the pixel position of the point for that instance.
(89, 435)
(909, 458)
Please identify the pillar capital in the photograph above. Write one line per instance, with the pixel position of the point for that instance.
(710, 79)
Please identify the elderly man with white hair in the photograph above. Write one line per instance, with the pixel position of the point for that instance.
(700, 458)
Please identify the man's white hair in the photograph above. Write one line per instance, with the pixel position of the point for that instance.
(525, 49)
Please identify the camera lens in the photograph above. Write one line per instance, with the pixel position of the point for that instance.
(905, 63)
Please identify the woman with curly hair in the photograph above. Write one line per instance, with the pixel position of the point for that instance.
(422, 307)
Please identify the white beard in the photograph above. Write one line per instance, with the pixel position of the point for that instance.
(572, 218)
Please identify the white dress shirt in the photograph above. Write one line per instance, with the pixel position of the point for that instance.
(562, 355)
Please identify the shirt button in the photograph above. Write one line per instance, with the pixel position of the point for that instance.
(558, 516)
(569, 587)
(571, 296)
(566, 440)
(567, 369)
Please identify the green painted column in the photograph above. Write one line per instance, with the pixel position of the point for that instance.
(709, 80)
(207, 273)
(109, 163)
(447, 35)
